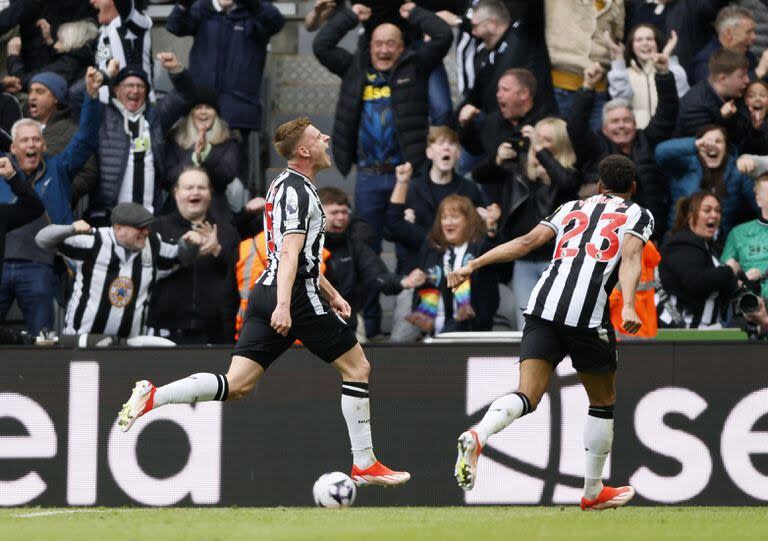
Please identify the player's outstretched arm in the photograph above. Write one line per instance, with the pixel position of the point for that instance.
(286, 275)
(509, 251)
(339, 305)
(629, 276)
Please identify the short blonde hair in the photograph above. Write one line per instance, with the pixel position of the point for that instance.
(76, 34)
(186, 134)
(561, 150)
(288, 135)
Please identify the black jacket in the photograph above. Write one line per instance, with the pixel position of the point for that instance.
(591, 147)
(484, 137)
(202, 296)
(484, 286)
(524, 202)
(221, 164)
(522, 46)
(756, 140)
(688, 272)
(408, 81)
(701, 106)
(421, 198)
(354, 270)
(71, 66)
(10, 112)
(25, 13)
(25, 209)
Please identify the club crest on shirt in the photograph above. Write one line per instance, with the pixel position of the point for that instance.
(120, 291)
(291, 208)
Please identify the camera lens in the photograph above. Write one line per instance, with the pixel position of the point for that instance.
(748, 303)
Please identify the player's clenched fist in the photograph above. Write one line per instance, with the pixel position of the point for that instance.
(281, 320)
(459, 276)
(341, 307)
(630, 320)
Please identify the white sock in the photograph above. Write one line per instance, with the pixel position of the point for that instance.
(598, 440)
(200, 387)
(501, 413)
(356, 408)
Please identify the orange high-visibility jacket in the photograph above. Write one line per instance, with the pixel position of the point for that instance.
(645, 304)
(251, 261)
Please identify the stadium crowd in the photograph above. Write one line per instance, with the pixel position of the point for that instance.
(141, 236)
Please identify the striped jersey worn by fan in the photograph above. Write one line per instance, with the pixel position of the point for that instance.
(113, 284)
(575, 288)
(293, 206)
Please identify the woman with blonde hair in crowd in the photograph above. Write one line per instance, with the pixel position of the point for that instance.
(72, 52)
(204, 139)
(546, 179)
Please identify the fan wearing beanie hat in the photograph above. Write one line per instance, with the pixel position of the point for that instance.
(131, 151)
(47, 93)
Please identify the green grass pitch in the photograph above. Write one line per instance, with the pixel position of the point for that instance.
(390, 524)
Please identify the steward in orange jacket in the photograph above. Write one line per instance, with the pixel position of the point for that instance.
(645, 304)
(251, 261)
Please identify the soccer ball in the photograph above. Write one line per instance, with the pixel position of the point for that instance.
(335, 490)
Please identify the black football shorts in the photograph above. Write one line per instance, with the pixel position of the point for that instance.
(592, 350)
(326, 335)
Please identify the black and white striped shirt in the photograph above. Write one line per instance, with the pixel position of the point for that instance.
(138, 185)
(113, 285)
(293, 207)
(585, 265)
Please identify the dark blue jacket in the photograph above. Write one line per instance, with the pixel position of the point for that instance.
(701, 61)
(53, 180)
(228, 54)
(679, 159)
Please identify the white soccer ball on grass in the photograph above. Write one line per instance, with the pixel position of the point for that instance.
(334, 490)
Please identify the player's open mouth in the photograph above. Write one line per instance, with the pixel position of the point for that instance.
(712, 225)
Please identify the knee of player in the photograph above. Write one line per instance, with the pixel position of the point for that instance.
(359, 371)
(604, 401)
(238, 390)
